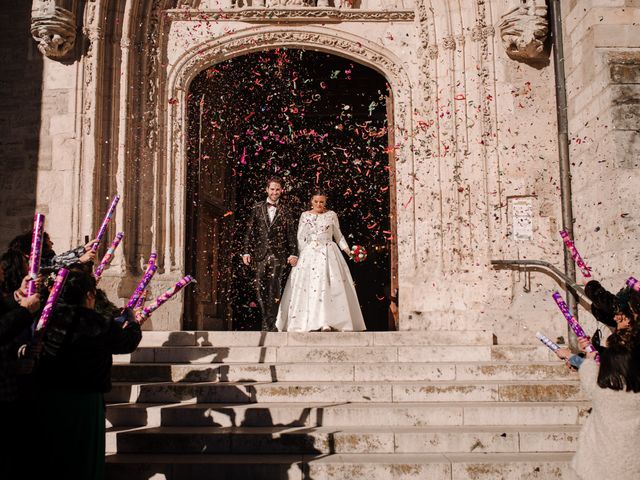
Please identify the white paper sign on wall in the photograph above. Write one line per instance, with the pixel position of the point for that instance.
(522, 218)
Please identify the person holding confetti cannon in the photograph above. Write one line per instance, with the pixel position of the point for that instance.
(607, 446)
(613, 310)
(71, 376)
(50, 262)
(16, 318)
(319, 294)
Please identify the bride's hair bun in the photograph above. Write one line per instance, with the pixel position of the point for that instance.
(318, 192)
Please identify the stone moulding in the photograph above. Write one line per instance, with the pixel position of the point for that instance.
(202, 55)
(54, 29)
(280, 15)
(524, 30)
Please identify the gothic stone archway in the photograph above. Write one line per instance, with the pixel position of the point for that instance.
(190, 63)
(317, 120)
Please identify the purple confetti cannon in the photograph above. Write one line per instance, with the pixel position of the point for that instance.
(141, 300)
(61, 277)
(633, 283)
(586, 271)
(544, 339)
(143, 296)
(105, 222)
(36, 252)
(144, 282)
(170, 292)
(575, 326)
(106, 260)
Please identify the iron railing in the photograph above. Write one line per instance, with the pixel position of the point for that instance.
(569, 284)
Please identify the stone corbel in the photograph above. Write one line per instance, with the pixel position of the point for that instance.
(53, 28)
(524, 28)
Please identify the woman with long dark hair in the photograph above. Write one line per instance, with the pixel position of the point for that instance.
(608, 442)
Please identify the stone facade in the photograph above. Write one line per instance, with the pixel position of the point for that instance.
(475, 138)
(602, 54)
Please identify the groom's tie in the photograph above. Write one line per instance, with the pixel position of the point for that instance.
(275, 209)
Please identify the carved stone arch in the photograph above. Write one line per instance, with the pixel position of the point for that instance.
(205, 54)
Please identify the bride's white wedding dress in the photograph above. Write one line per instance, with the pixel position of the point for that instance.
(320, 292)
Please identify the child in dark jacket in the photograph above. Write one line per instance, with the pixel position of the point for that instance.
(72, 374)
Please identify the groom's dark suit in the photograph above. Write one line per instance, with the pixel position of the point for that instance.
(270, 244)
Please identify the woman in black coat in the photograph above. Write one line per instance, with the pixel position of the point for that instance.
(16, 316)
(72, 374)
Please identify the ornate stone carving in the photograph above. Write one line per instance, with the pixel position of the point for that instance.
(524, 29)
(53, 27)
(285, 38)
(449, 43)
(278, 15)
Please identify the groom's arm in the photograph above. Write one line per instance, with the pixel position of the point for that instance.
(292, 239)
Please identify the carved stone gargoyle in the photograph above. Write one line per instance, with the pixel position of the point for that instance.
(53, 27)
(524, 29)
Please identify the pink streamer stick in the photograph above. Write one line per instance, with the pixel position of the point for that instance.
(586, 271)
(575, 326)
(61, 277)
(106, 260)
(36, 252)
(633, 283)
(180, 284)
(144, 282)
(105, 222)
(141, 300)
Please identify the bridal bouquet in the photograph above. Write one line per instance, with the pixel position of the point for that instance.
(358, 253)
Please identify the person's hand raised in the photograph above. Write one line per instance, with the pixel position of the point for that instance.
(89, 246)
(89, 253)
(583, 343)
(31, 303)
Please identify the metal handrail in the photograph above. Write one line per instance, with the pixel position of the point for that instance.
(570, 284)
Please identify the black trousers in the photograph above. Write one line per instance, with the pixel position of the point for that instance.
(268, 281)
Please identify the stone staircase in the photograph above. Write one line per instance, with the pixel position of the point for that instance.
(375, 405)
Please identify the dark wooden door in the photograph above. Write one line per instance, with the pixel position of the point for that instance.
(393, 212)
(207, 253)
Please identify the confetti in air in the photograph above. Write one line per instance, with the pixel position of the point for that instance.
(314, 119)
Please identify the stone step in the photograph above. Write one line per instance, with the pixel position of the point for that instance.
(272, 339)
(343, 372)
(342, 414)
(339, 392)
(329, 440)
(337, 354)
(467, 466)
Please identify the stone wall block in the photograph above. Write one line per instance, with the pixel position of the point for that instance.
(626, 117)
(627, 149)
(625, 73)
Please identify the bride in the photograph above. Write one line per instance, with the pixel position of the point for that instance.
(319, 294)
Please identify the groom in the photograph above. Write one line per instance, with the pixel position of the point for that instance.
(270, 244)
